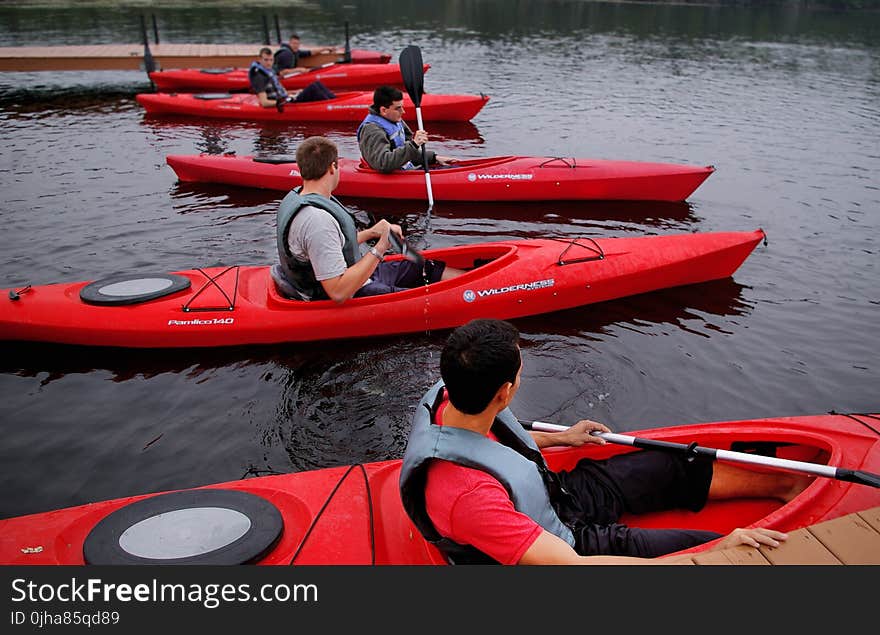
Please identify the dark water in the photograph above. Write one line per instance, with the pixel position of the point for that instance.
(784, 103)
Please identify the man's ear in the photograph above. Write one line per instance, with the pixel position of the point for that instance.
(504, 393)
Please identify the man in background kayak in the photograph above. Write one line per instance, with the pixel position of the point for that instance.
(476, 485)
(267, 86)
(288, 55)
(386, 142)
(318, 242)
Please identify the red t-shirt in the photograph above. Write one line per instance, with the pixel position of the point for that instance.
(472, 507)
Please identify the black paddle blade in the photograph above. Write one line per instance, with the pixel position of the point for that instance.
(403, 248)
(858, 476)
(412, 69)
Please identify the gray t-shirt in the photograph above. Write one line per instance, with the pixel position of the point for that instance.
(316, 237)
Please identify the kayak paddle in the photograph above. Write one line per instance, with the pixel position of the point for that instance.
(403, 248)
(413, 72)
(828, 471)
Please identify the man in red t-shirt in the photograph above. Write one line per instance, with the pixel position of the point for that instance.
(451, 481)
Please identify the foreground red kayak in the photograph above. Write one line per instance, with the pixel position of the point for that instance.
(507, 178)
(334, 76)
(354, 516)
(346, 106)
(226, 306)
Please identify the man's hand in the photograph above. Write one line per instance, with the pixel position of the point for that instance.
(751, 537)
(445, 160)
(380, 231)
(420, 137)
(579, 433)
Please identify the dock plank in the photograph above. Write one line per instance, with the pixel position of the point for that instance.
(850, 539)
(131, 56)
(853, 539)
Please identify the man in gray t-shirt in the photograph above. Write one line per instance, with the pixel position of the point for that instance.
(316, 237)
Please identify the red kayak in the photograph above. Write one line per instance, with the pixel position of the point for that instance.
(353, 515)
(227, 306)
(507, 178)
(334, 76)
(358, 56)
(346, 106)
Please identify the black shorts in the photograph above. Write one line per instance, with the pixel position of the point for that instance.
(398, 275)
(636, 483)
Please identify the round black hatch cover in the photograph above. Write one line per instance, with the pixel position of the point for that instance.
(132, 288)
(204, 526)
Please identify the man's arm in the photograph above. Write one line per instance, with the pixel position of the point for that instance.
(550, 549)
(265, 102)
(575, 436)
(342, 288)
(430, 156)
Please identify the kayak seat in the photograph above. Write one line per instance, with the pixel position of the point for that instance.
(283, 285)
(216, 71)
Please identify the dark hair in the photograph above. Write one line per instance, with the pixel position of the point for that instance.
(384, 95)
(477, 360)
(293, 36)
(314, 156)
(265, 51)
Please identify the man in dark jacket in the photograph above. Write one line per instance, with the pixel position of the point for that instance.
(386, 142)
(266, 84)
(288, 55)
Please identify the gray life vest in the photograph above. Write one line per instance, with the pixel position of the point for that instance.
(274, 90)
(515, 461)
(298, 272)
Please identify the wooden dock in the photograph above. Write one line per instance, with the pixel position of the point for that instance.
(849, 540)
(131, 56)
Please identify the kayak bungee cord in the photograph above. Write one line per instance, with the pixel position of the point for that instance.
(596, 249)
(212, 280)
(327, 502)
(15, 294)
(563, 160)
(853, 416)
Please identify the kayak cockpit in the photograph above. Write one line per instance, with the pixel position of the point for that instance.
(723, 516)
(460, 166)
(476, 260)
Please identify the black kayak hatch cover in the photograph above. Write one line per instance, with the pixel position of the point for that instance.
(201, 527)
(132, 288)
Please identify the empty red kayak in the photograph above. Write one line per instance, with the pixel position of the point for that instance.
(333, 76)
(346, 106)
(227, 306)
(353, 515)
(507, 178)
